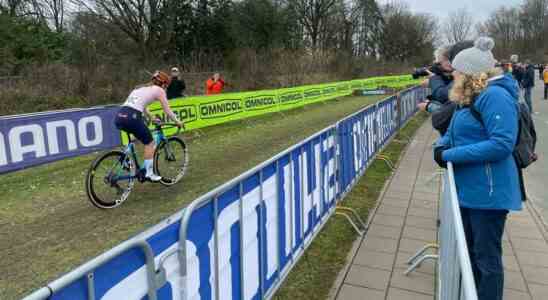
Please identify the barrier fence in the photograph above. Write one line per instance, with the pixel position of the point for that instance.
(241, 240)
(35, 139)
(455, 277)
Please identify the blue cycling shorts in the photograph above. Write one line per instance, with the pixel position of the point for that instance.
(131, 120)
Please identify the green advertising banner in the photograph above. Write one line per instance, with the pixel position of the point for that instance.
(202, 111)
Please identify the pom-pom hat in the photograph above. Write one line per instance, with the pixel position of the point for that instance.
(476, 60)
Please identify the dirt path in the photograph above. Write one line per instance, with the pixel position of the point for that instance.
(47, 226)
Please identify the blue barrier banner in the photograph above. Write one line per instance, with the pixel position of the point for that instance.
(240, 240)
(35, 139)
(261, 224)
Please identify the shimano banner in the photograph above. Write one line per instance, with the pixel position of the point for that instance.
(34, 139)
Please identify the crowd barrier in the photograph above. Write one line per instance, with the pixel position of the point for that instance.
(240, 240)
(34, 139)
(455, 277)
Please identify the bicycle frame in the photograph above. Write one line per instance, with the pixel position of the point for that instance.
(158, 136)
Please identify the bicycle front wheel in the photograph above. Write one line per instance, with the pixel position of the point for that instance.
(171, 160)
(110, 179)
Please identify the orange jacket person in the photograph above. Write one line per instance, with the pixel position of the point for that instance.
(215, 85)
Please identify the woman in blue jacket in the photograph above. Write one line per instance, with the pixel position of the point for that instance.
(486, 174)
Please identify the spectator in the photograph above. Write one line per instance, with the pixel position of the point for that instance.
(545, 74)
(541, 71)
(528, 82)
(177, 87)
(517, 73)
(441, 81)
(507, 67)
(486, 174)
(215, 84)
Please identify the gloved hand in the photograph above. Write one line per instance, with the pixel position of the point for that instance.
(438, 156)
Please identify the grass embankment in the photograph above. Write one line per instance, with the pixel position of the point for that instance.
(47, 226)
(316, 271)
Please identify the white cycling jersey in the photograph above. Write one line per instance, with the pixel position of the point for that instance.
(140, 98)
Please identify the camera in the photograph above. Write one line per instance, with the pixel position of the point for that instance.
(436, 69)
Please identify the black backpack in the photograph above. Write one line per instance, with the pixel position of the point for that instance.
(524, 151)
(441, 118)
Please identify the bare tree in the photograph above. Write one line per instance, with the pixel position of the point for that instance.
(12, 7)
(504, 26)
(458, 26)
(148, 23)
(313, 14)
(55, 12)
(533, 20)
(407, 37)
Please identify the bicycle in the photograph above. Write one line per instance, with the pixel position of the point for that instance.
(117, 170)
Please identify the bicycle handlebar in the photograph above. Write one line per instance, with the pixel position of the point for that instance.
(160, 125)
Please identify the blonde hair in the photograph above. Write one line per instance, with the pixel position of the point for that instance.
(467, 87)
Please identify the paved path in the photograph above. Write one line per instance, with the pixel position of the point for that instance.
(406, 220)
(537, 174)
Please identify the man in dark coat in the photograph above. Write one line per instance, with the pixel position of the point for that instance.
(528, 82)
(517, 72)
(177, 87)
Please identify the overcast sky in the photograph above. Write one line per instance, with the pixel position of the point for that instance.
(440, 8)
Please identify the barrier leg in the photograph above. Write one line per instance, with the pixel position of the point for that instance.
(386, 160)
(421, 252)
(402, 139)
(418, 263)
(354, 213)
(358, 231)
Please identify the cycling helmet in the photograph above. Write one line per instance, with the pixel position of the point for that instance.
(161, 78)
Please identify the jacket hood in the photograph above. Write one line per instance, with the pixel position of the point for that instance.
(508, 83)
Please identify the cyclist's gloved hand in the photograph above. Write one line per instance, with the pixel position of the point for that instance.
(180, 124)
(156, 121)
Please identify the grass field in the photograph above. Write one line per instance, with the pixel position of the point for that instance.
(315, 273)
(47, 226)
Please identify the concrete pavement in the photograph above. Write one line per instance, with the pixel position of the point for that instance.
(536, 176)
(405, 220)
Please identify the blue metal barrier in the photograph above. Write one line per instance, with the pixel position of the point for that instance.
(241, 240)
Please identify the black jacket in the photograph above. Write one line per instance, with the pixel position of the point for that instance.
(176, 88)
(440, 86)
(517, 72)
(528, 79)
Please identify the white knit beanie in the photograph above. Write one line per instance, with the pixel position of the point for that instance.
(476, 60)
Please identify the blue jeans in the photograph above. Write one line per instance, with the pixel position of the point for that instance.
(527, 97)
(483, 229)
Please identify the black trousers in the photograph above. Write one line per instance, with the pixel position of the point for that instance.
(483, 230)
(546, 91)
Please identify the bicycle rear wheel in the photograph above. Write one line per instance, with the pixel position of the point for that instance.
(171, 160)
(110, 179)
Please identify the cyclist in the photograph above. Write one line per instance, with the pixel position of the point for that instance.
(130, 116)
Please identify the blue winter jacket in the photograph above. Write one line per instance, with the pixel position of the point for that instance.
(486, 174)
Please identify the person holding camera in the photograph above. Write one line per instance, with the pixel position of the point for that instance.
(481, 150)
(215, 85)
(440, 79)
